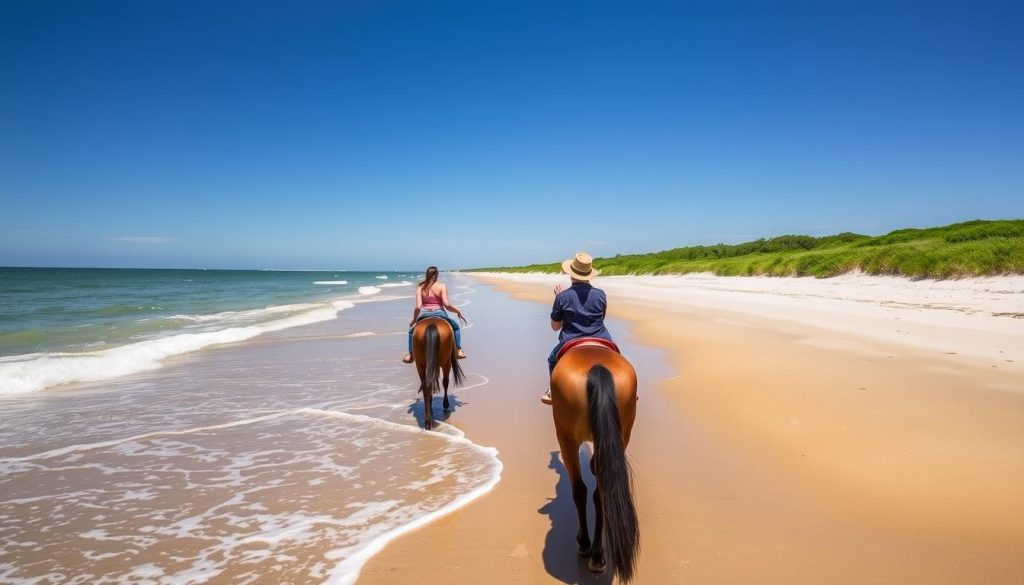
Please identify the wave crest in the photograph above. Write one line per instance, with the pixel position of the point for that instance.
(33, 372)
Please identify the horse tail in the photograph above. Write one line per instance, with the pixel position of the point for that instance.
(432, 341)
(457, 373)
(614, 475)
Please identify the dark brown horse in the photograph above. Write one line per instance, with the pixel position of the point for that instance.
(433, 348)
(593, 394)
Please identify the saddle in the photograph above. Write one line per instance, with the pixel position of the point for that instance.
(586, 341)
(439, 319)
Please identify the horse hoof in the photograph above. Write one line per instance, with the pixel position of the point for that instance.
(597, 566)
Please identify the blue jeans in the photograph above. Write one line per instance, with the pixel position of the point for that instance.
(553, 358)
(442, 315)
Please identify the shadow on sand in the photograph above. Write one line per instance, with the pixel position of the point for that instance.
(561, 560)
(417, 408)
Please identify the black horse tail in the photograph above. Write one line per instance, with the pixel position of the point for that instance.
(460, 377)
(614, 475)
(432, 341)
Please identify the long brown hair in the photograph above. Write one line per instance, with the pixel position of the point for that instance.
(429, 278)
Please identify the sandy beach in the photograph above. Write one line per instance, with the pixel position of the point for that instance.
(849, 430)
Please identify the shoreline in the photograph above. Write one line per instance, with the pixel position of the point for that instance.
(816, 455)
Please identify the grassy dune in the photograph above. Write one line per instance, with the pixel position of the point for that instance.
(972, 248)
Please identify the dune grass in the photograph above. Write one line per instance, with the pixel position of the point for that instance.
(972, 248)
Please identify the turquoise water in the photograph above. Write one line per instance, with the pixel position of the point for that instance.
(124, 320)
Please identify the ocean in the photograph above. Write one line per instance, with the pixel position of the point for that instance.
(183, 426)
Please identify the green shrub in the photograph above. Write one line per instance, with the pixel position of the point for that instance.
(971, 248)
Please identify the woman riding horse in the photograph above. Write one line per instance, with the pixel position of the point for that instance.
(593, 398)
(436, 356)
(434, 341)
(432, 301)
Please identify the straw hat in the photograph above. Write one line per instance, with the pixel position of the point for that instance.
(580, 267)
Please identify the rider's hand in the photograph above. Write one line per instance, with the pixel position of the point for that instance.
(462, 319)
(558, 288)
(411, 321)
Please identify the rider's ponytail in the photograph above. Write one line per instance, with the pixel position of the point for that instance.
(429, 278)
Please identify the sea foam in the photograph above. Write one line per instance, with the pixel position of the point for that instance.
(33, 372)
(241, 521)
(395, 284)
(226, 316)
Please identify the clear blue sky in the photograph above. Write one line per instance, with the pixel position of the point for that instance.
(373, 134)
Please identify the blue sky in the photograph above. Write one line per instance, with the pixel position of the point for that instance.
(394, 135)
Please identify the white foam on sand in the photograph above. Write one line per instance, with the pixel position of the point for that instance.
(977, 318)
(235, 527)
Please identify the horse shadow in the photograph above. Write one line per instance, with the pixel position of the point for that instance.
(561, 560)
(418, 408)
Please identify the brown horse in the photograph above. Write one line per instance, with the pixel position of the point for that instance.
(593, 394)
(433, 348)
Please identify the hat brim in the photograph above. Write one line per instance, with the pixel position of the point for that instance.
(567, 269)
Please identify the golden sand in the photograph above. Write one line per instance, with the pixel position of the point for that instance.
(777, 452)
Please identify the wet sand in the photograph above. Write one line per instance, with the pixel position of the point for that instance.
(767, 449)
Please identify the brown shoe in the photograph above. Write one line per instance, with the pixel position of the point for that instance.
(546, 398)
(407, 359)
(460, 354)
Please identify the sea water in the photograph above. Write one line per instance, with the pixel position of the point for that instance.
(60, 325)
(191, 426)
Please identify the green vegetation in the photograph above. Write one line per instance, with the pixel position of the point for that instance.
(972, 248)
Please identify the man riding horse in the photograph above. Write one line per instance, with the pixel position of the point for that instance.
(593, 398)
(578, 311)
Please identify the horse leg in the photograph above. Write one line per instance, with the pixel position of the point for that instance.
(597, 563)
(428, 406)
(571, 459)
(444, 382)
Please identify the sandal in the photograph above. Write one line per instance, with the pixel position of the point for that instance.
(546, 398)
(407, 359)
(459, 354)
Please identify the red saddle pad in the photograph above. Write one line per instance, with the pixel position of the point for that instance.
(585, 341)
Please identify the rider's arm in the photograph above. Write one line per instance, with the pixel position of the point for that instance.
(444, 301)
(557, 314)
(417, 308)
(449, 306)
